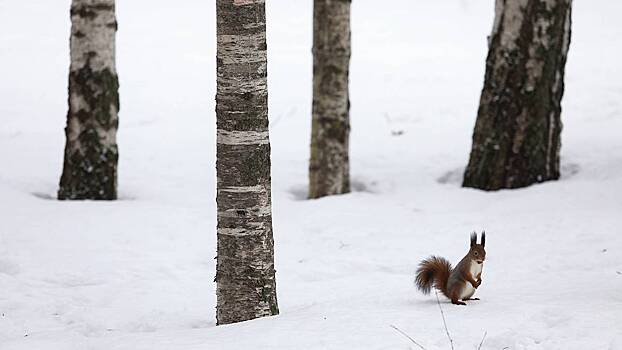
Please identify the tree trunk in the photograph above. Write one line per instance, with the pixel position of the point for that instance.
(329, 168)
(516, 140)
(91, 155)
(246, 286)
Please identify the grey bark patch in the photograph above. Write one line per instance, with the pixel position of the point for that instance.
(91, 153)
(329, 169)
(516, 140)
(245, 274)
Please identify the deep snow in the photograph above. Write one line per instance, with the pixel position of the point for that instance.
(138, 273)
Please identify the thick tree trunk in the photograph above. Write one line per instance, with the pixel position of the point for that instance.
(516, 141)
(329, 168)
(91, 155)
(246, 286)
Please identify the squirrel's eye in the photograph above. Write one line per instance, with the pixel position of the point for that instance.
(475, 253)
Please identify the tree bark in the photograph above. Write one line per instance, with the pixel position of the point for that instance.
(329, 168)
(516, 141)
(91, 154)
(245, 274)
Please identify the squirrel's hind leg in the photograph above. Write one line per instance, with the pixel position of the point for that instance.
(455, 296)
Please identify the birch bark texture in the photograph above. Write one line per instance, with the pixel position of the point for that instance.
(91, 153)
(329, 166)
(516, 140)
(245, 274)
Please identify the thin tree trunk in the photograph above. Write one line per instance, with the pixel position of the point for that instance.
(91, 155)
(516, 140)
(329, 168)
(245, 274)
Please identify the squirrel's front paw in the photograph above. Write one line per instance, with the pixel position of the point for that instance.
(478, 282)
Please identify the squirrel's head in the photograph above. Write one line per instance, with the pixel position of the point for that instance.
(477, 251)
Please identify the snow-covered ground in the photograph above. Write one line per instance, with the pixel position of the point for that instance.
(138, 273)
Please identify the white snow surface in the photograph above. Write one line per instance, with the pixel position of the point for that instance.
(138, 273)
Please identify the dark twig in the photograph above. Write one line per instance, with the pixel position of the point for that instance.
(482, 342)
(407, 336)
(451, 341)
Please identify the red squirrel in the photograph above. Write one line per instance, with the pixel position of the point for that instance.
(456, 284)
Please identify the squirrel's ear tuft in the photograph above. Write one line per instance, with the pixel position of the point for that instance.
(473, 238)
(483, 238)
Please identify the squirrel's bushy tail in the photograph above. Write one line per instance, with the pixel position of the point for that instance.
(433, 271)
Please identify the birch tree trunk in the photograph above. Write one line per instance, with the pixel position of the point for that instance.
(91, 155)
(329, 168)
(516, 141)
(245, 274)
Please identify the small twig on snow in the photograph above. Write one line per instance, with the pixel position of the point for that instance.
(451, 341)
(407, 336)
(482, 342)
